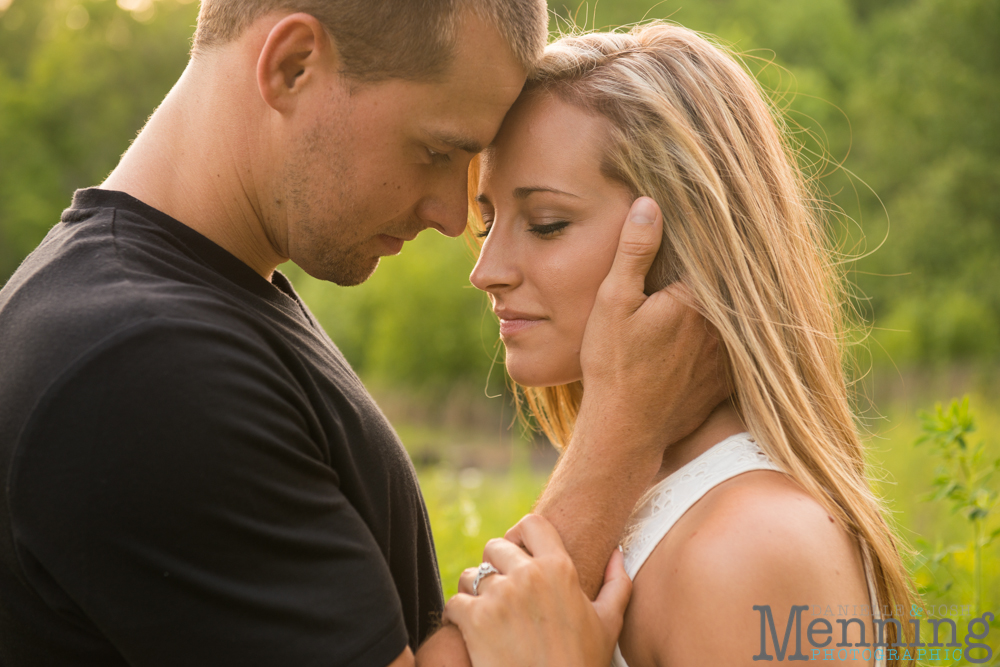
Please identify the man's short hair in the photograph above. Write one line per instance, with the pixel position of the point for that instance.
(387, 39)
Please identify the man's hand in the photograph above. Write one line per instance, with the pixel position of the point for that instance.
(654, 358)
(534, 612)
(652, 373)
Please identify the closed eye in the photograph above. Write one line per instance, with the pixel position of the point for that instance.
(549, 228)
(482, 234)
(438, 157)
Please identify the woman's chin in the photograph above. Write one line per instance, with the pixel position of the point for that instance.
(536, 377)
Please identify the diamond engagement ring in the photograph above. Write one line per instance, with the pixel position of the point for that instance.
(485, 570)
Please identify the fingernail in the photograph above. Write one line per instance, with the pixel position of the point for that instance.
(620, 550)
(643, 212)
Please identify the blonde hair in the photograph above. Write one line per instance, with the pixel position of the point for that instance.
(380, 39)
(692, 129)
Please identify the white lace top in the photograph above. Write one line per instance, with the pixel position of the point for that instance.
(664, 503)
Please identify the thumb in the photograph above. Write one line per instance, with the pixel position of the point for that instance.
(637, 246)
(614, 595)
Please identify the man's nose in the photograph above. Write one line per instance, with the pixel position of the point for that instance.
(446, 209)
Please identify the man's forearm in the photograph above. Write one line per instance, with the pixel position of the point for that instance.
(445, 648)
(595, 487)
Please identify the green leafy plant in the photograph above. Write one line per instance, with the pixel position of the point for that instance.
(964, 480)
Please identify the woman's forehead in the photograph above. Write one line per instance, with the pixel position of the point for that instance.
(544, 138)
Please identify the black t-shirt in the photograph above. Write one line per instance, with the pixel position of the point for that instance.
(193, 474)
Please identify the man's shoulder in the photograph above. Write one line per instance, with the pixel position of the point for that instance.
(88, 286)
(79, 320)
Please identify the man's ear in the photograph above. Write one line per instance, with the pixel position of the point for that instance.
(296, 50)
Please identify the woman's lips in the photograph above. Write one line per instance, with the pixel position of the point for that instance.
(516, 325)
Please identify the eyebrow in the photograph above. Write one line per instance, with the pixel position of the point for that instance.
(524, 193)
(457, 141)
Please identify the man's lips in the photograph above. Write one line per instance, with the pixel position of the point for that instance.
(513, 322)
(393, 244)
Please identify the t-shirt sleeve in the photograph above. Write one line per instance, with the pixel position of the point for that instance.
(170, 491)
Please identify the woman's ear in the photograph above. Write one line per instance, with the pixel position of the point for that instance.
(296, 51)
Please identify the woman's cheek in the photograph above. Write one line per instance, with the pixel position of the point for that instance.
(581, 292)
(599, 260)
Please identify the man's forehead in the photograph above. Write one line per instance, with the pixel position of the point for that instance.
(464, 126)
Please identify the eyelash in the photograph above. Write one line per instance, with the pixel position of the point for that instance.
(543, 231)
(438, 158)
(548, 229)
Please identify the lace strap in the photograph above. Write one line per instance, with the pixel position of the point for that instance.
(664, 503)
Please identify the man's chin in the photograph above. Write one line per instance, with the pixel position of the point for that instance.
(347, 273)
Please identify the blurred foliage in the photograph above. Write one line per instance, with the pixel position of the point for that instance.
(467, 507)
(417, 322)
(964, 479)
(77, 82)
(903, 94)
(941, 496)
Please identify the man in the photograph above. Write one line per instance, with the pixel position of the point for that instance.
(193, 473)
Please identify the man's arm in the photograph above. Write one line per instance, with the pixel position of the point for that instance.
(653, 372)
(445, 648)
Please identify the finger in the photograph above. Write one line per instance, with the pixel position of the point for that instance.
(614, 594)
(637, 246)
(456, 611)
(538, 536)
(465, 580)
(505, 556)
(513, 534)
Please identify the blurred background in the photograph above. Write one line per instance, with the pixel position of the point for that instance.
(895, 105)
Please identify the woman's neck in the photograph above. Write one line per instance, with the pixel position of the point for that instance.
(721, 423)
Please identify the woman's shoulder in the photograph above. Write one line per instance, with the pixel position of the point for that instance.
(756, 525)
(760, 511)
(756, 539)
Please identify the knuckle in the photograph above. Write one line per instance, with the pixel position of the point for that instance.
(524, 571)
(491, 546)
(565, 567)
(630, 247)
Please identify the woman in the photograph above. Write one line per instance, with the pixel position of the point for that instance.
(767, 503)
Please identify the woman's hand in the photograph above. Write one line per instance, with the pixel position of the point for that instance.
(534, 612)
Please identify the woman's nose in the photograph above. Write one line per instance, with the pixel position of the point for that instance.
(496, 269)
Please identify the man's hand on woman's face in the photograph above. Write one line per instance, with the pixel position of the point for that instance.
(652, 363)
(534, 612)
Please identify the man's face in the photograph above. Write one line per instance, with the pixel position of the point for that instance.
(370, 167)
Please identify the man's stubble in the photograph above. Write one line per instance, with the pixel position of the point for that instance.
(326, 218)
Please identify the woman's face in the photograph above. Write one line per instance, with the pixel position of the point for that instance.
(553, 224)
